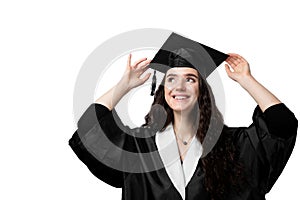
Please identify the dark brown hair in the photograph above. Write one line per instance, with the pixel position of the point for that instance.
(222, 170)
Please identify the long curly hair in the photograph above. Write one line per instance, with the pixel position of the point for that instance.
(223, 171)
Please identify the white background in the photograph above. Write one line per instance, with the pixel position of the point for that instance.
(43, 45)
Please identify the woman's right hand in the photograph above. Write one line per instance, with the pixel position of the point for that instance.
(130, 79)
(132, 76)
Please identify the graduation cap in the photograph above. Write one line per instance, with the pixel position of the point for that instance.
(179, 51)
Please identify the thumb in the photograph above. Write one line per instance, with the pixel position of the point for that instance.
(228, 71)
(145, 78)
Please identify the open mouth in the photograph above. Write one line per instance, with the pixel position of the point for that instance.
(180, 97)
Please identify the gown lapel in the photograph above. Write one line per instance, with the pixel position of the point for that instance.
(191, 159)
(168, 151)
(179, 174)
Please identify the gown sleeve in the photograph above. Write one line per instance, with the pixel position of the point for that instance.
(98, 143)
(266, 145)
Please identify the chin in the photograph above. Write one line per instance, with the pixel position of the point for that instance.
(182, 107)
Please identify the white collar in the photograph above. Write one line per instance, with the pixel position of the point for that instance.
(180, 175)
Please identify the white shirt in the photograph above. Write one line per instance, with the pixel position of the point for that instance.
(180, 174)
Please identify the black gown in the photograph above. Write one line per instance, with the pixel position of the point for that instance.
(265, 147)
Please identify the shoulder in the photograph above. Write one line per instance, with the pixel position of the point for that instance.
(233, 134)
(231, 131)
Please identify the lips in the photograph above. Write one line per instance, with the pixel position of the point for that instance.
(180, 97)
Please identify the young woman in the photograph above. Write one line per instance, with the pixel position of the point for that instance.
(244, 163)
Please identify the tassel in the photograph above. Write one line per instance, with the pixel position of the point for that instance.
(153, 85)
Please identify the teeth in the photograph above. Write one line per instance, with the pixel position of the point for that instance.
(180, 97)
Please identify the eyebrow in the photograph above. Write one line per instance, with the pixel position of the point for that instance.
(184, 75)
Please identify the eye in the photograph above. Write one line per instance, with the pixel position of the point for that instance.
(170, 80)
(191, 80)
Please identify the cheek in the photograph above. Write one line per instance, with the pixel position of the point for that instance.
(194, 89)
(167, 92)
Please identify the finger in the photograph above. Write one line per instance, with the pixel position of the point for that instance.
(142, 71)
(231, 63)
(143, 64)
(145, 78)
(238, 61)
(234, 56)
(238, 56)
(129, 60)
(228, 70)
(138, 62)
(235, 60)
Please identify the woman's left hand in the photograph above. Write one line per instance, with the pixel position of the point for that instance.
(240, 67)
(241, 73)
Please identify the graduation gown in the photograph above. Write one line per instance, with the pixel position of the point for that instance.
(265, 147)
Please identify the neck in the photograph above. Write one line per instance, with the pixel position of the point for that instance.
(184, 124)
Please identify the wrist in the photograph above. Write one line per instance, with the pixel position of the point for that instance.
(123, 86)
(246, 81)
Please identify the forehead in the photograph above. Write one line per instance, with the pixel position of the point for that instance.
(182, 71)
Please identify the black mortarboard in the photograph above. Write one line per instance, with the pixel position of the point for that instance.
(179, 51)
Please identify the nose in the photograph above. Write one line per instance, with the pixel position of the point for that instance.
(180, 85)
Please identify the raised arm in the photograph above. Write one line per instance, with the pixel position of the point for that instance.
(239, 71)
(130, 79)
(100, 136)
(266, 145)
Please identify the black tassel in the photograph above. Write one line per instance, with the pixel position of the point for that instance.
(153, 85)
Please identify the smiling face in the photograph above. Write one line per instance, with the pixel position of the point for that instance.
(181, 88)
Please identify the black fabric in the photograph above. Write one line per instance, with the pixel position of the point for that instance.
(265, 147)
(277, 116)
(199, 56)
(179, 51)
(108, 175)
